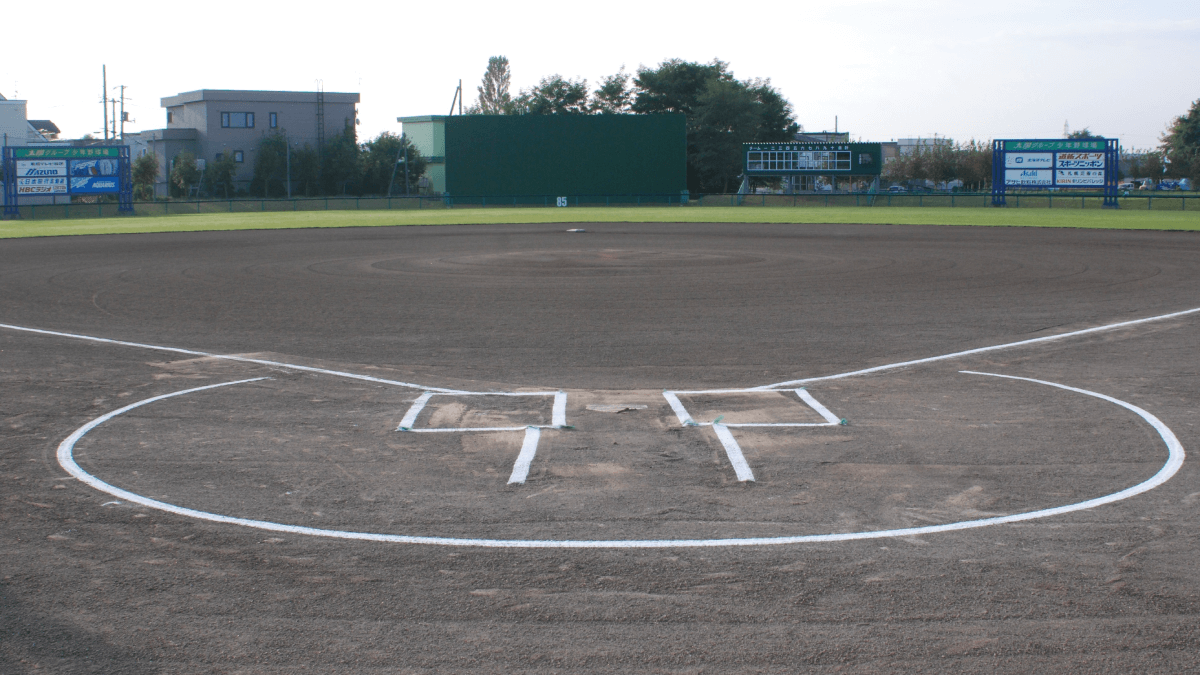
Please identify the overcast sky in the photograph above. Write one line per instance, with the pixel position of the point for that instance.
(886, 69)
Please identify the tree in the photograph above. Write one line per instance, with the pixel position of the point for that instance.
(1083, 133)
(341, 164)
(1181, 145)
(724, 118)
(722, 113)
(383, 161)
(270, 166)
(494, 98)
(184, 174)
(554, 95)
(220, 173)
(675, 85)
(614, 96)
(306, 169)
(145, 174)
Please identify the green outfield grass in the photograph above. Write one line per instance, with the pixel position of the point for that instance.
(1116, 219)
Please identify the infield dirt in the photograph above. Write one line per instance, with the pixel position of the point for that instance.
(611, 317)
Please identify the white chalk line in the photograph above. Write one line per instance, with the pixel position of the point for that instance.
(732, 449)
(528, 449)
(979, 350)
(241, 359)
(1170, 468)
(734, 452)
(558, 414)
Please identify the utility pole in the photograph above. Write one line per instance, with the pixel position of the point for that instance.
(122, 113)
(104, 97)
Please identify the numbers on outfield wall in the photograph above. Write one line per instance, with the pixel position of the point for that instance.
(562, 201)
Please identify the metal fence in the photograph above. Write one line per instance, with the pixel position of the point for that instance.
(1157, 201)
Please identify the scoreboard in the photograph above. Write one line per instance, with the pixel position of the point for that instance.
(813, 159)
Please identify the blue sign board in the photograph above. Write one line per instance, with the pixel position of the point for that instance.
(50, 170)
(95, 185)
(1053, 164)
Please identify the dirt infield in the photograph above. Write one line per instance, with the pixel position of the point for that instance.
(380, 485)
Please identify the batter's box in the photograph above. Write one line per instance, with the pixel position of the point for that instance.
(487, 411)
(499, 415)
(739, 409)
(764, 408)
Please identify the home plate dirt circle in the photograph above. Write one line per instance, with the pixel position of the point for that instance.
(328, 456)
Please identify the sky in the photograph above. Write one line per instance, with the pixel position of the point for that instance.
(884, 69)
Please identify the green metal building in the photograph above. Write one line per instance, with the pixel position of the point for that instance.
(557, 155)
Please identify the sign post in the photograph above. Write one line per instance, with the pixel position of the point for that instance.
(1068, 164)
(67, 170)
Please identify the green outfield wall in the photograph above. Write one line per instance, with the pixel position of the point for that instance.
(565, 154)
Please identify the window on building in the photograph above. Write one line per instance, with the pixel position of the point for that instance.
(274, 120)
(170, 117)
(238, 156)
(237, 120)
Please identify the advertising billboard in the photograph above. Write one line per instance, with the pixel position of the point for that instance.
(66, 170)
(93, 167)
(1055, 164)
(42, 167)
(94, 184)
(53, 185)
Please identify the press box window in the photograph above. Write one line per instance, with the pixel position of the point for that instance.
(237, 120)
(170, 117)
(274, 120)
(238, 156)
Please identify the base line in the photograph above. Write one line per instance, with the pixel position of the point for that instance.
(979, 350)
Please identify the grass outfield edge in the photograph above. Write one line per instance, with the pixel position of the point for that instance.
(848, 215)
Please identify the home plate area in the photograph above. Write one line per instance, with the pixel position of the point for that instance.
(924, 447)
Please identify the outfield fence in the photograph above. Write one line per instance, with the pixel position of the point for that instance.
(1016, 200)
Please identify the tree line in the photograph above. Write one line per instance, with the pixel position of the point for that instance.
(722, 111)
(944, 162)
(342, 167)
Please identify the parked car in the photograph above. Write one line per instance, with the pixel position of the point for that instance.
(897, 188)
(1126, 186)
(1167, 185)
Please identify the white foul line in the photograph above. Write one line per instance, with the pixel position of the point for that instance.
(734, 452)
(240, 359)
(1174, 462)
(979, 350)
(528, 449)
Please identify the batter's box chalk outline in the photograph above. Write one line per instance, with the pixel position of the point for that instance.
(732, 449)
(533, 432)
